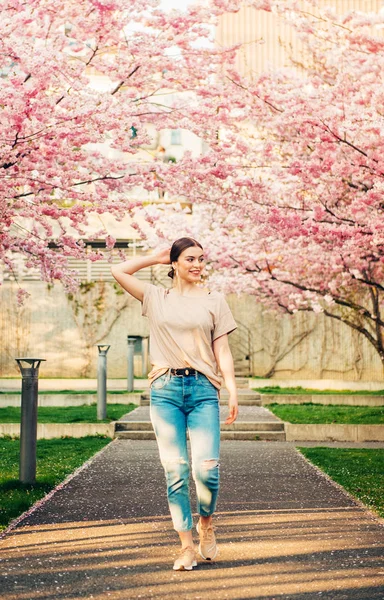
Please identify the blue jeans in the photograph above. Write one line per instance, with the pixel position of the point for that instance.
(181, 403)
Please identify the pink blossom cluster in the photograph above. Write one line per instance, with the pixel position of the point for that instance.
(291, 192)
(69, 146)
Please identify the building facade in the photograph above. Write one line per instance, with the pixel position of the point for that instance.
(268, 42)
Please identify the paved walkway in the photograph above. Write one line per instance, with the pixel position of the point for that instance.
(285, 532)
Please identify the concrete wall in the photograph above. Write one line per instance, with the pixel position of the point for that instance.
(57, 430)
(294, 433)
(333, 433)
(64, 400)
(306, 346)
(51, 326)
(315, 384)
(326, 400)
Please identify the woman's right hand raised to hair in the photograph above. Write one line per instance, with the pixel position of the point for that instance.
(124, 272)
(164, 256)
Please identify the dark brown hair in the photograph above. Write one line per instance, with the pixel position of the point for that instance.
(178, 247)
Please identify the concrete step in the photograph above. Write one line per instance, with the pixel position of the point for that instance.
(253, 426)
(223, 401)
(237, 426)
(277, 436)
(255, 423)
(271, 436)
(245, 397)
(249, 414)
(242, 382)
(133, 426)
(241, 364)
(135, 435)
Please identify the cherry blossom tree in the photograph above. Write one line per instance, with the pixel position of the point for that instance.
(307, 232)
(80, 82)
(291, 194)
(288, 199)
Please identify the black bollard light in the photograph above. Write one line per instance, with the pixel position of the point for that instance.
(102, 381)
(28, 423)
(130, 360)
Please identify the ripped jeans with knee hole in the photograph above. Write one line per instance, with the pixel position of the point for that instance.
(181, 403)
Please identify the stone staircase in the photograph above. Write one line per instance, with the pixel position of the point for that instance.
(253, 423)
(246, 396)
(242, 368)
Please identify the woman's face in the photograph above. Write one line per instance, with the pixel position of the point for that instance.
(190, 264)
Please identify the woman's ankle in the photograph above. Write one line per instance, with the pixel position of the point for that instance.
(186, 539)
(206, 521)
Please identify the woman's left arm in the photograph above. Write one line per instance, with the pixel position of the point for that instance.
(224, 360)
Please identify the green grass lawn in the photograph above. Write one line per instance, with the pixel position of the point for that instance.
(359, 470)
(68, 414)
(300, 390)
(56, 459)
(318, 413)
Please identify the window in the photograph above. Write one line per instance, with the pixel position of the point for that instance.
(176, 137)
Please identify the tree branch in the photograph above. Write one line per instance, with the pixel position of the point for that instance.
(358, 328)
(345, 303)
(124, 80)
(280, 110)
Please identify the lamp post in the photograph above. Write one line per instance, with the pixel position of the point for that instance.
(28, 423)
(102, 381)
(130, 362)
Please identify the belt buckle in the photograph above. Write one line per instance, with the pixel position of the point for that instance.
(186, 371)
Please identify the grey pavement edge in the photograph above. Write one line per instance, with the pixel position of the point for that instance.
(285, 531)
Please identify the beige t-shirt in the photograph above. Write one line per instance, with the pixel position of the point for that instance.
(182, 329)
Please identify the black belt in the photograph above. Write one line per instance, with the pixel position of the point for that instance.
(183, 371)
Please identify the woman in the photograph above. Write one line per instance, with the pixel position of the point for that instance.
(189, 327)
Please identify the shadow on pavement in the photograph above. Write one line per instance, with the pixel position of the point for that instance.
(285, 532)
